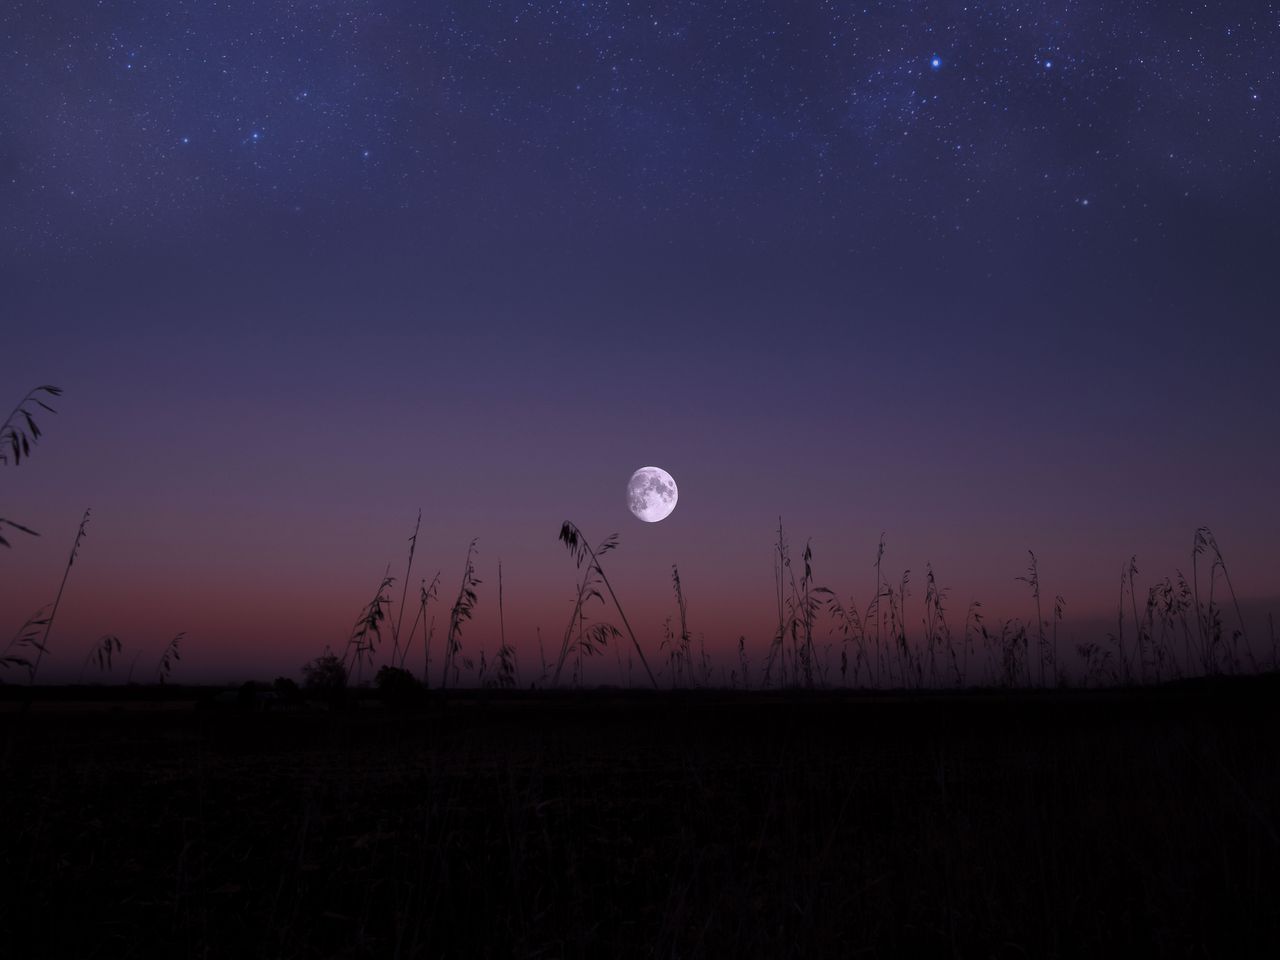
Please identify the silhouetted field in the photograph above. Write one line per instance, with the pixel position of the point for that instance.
(1099, 823)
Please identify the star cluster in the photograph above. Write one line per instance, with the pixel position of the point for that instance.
(132, 117)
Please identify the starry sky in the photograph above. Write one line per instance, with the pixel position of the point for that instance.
(986, 277)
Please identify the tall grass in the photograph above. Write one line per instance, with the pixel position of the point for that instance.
(169, 658)
(426, 593)
(680, 654)
(799, 604)
(102, 652)
(18, 434)
(404, 591)
(18, 652)
(777, 650)
(362, 644)
(507, 670)
(43, 646)
(1032, 580)
(937, 634)
(463, 607)
(582, 638)
(585, 556)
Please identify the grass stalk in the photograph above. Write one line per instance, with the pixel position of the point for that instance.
(43, 646)
(571, 536)
(404, 592)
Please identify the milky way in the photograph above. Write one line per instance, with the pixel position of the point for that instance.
(127, 117)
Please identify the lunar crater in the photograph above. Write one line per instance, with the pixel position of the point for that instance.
(652, 494)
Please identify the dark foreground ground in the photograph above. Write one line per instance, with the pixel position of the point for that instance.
(624, 825)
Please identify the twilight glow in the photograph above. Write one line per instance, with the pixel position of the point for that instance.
(985, 279)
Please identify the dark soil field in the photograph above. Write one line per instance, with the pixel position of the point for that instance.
(616, 824)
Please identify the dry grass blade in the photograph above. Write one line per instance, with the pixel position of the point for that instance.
(404, 593)
(171, 655)
(43, 646)
(426, 593)
(102, 651)
(20, 431)
(367, 631)
(16, 526)
(463, 607)
(27, 638)
(577, 545)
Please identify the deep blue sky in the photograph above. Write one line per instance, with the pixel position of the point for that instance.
(987, 277)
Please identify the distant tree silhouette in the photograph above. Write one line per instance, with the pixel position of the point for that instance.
(396, 685)
(325, 675)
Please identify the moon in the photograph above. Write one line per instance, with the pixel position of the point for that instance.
(652, 494)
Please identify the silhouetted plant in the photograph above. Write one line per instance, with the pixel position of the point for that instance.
(101, 652)
(286, 689)
(20, 649)
(1117, 638)
(1014, 649)
(248, 697)
(937, 633)
(463, 606)
(1211, 616)
(874, 605)
(672, 650)
(506, 675)
(579, 639)
(1097, 663)
(404, 592)
(426, 593)
(589, 642)
(367, 632)
(684, 659)
(542, 657)
(324, 672)
(846, 620)
(326, 676)
(1032, 579)
(806, 601)
(777, 648)
(581, 551)
(396, 686)
(907, 667)
(973, 628)
(1059, 606)
(169, 657)
(20, 431)
(18, 434)
(43, 646)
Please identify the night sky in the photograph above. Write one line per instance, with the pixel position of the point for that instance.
(985, 277)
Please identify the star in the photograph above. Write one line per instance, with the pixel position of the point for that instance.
(936, 62)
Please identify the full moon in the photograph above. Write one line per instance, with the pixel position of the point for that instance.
(652, 494)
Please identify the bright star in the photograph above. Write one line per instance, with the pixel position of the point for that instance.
(936, 62)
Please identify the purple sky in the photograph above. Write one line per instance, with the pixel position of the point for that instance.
(303, 271)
